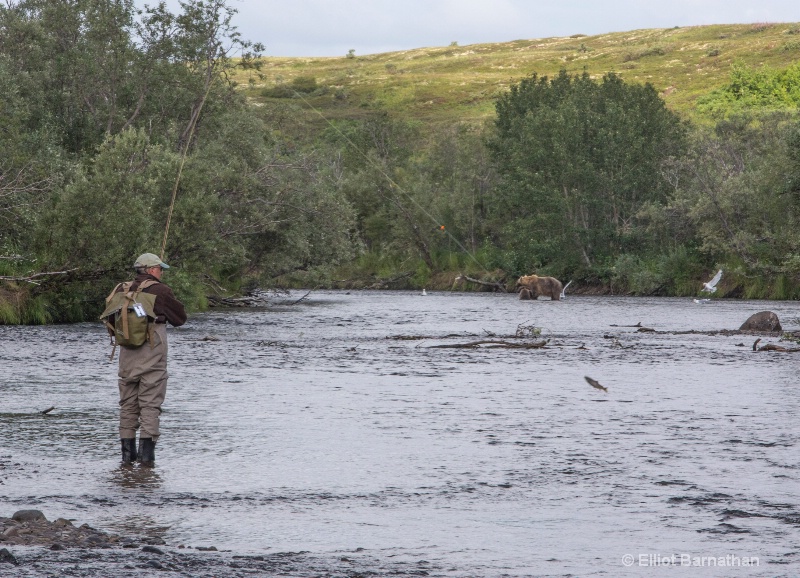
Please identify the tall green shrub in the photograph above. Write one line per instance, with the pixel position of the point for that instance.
(578, 159)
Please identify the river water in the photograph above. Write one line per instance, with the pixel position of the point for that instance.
(333, 426)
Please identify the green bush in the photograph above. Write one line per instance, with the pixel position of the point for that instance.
(749, 88)
(653, 51)
(305, 84)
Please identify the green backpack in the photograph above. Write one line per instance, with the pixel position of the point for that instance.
(129, 315)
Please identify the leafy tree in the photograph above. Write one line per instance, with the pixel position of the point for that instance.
(578, 160)
(275, 210)
(738, 190)
(111, 210)
(31, 165)
(414, 197)
(98, 67)
(375, 154)
(460, 178)
(101, 106)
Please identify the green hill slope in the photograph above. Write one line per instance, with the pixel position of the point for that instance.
(461, 82)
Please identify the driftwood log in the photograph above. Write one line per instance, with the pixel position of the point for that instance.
(494, 285)
(303, 298)
(246, 301)
(491, 343)
(773, 347)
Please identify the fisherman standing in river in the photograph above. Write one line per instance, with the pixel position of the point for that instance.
(143, 368)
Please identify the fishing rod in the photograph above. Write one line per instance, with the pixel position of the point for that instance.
(393, 184)
(192, 126)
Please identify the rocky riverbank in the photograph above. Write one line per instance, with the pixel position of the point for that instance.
(31, 528)
(32, 546)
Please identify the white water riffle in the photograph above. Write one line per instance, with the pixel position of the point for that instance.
(332, 426)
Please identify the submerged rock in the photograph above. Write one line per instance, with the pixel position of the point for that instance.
(7, 557)
(28, 516)
(762, 321)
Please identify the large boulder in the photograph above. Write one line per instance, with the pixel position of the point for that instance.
(762, 321)
(28, 516)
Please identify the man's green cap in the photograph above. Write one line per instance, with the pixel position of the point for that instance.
(149, 260)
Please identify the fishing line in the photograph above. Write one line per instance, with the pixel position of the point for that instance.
(355, 147)
(180, 167)
(390, 180)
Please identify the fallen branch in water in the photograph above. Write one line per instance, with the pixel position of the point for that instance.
(418, 337)
(493, 284)
(301, 298)
(48, 410)
(250, 301)
(772, 347)
(527, 331)
(490, 343)
(725, 332)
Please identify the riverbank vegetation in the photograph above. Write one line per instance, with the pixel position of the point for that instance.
(635, 162)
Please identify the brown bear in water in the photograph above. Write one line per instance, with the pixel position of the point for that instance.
(532, 286)
(525, 294)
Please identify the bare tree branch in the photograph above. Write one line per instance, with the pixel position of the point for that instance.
(30, 278)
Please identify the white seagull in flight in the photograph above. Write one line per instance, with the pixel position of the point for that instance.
(711, 286)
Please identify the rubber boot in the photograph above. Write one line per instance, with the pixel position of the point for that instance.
(128, 451)
(147, 452)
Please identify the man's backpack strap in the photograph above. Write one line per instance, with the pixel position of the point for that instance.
(130, 297)
(114, 290)
(145, 284)
(110, 326)
(150, 326)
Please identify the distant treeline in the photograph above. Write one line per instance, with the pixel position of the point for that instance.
(588, 179)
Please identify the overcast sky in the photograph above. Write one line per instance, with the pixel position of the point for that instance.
(333, 27)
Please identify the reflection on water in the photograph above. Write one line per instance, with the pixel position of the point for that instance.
(134, 477)
(333, 425)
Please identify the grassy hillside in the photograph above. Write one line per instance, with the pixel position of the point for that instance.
(460, 82)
